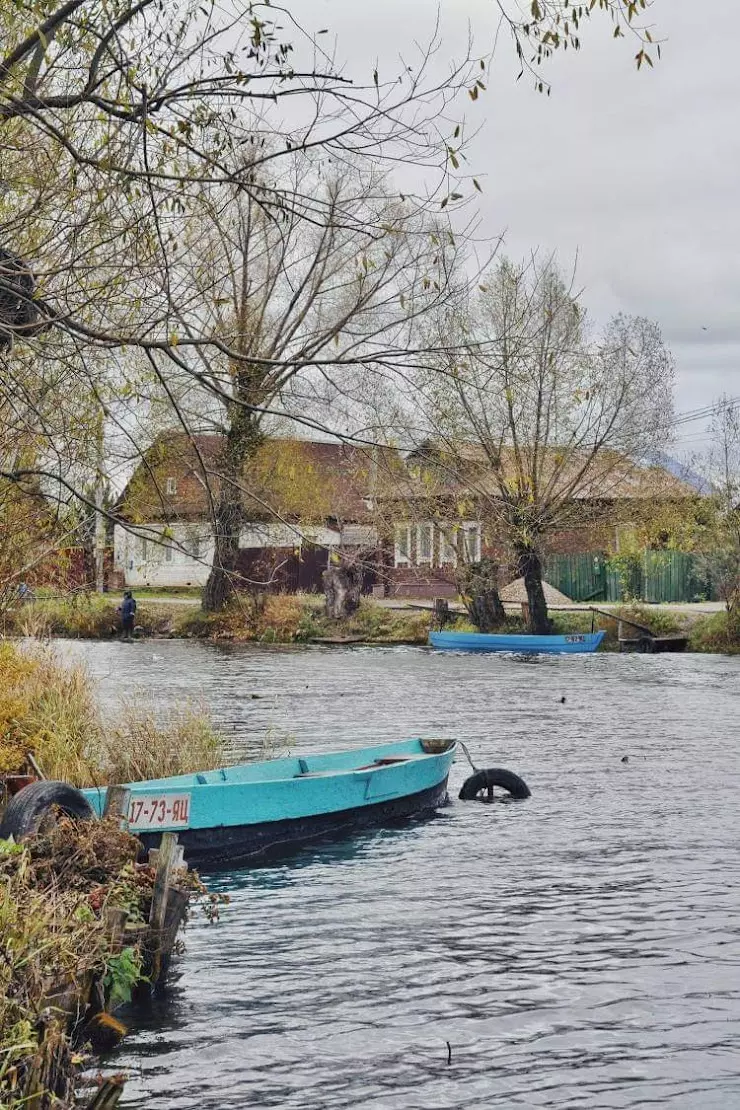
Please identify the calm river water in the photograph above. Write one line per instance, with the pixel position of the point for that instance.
(579, 949)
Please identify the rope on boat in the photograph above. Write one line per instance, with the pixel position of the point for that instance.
(468, 756)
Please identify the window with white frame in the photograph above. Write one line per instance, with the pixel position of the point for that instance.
(447, 545)
(472, 541)
(168, 552)
(171, 485)
(424, 544)
(144, 548)
(402, 546)
(195, 547)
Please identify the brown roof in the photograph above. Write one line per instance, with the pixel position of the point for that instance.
(612, 477)
(291, 478)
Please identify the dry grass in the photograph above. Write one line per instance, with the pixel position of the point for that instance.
(56, 888)
(297, 618)
(272, 618)
(719, 633)
(54, 893)
(49, 709)
(84, 617)
(47, 942)
(267, 619)
(140, 746)
(381, 625)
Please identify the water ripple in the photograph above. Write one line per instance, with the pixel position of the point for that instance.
(576, 950)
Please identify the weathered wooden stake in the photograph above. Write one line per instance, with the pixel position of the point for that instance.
(117, 800)
(109, 1094)
(441, 611)
(35, 766)
(166, 857)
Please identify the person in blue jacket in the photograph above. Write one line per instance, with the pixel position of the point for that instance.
(127, 609)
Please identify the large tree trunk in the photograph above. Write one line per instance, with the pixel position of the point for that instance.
(342, 589)
(242, 440)
(529, 568)
(477, 584)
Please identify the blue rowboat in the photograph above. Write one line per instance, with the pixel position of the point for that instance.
(575, 644)
(254, 810)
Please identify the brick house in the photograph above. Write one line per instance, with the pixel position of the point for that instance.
(302, 501)
(408, 520)
(436, 519)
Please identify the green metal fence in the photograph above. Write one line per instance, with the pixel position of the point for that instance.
(655, 576)
(579, 577)
(669, 576)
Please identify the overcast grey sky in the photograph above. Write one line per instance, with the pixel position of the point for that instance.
(636, 172)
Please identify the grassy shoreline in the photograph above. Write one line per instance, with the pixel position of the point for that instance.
(296, 619)
(76, 939)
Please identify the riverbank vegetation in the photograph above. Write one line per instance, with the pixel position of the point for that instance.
(75, 903)
(85, 616)
(296, 618)
(301, 618)
(49, 710)
(269, 618)
(58, 895)
(718, 634)
(76, 943)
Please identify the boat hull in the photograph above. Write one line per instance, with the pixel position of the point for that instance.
(243, 845)
(236, 815)
(576, 644)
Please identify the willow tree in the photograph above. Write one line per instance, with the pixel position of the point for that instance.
(110, 114)
(538, 421)
(543, 28)
(116, 122)
(117, 117)
(285, 301)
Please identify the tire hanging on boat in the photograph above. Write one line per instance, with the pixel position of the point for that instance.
(489, 777)
(27, 810)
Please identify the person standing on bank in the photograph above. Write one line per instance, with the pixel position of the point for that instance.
(127, 610)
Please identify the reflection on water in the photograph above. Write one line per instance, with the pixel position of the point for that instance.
(576, 950)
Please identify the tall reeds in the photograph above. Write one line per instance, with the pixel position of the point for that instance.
(49, 709)
(141, 746)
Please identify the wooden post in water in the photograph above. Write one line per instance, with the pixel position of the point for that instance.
(167, 857)
(109, 1094)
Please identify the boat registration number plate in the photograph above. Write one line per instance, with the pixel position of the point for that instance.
(575, 639)
(159, 811)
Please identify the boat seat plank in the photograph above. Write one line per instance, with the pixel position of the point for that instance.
(389, 761)
(318, 774)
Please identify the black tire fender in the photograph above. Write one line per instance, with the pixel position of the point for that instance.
(27, 809)
(487, 779)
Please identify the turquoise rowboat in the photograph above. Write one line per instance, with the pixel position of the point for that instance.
(235, 815)
(575, 644)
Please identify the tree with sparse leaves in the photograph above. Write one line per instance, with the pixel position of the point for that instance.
(117, 120)
(546, 27)
(289, 303)
(536, 422)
